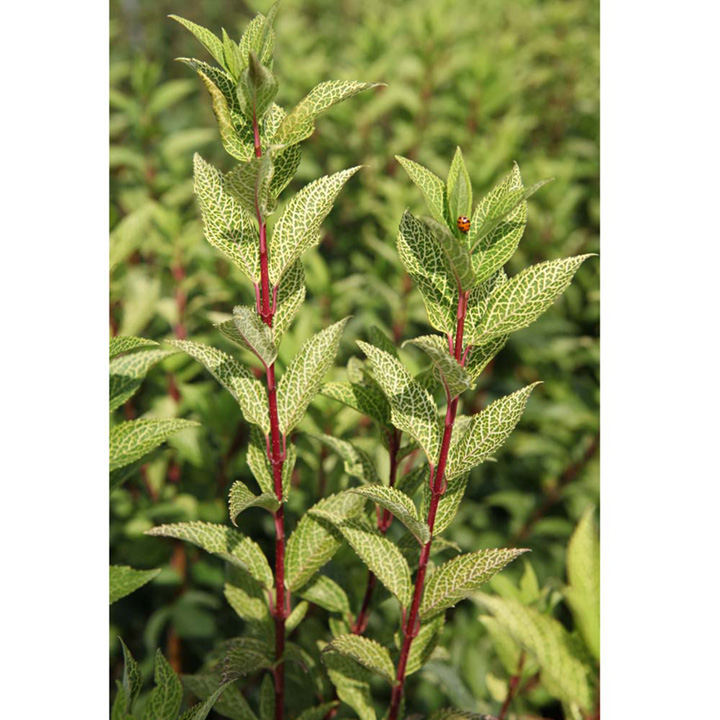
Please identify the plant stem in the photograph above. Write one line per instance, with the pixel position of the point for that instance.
(384, 521)
(512, 687)
(276, 456)
(437, 488)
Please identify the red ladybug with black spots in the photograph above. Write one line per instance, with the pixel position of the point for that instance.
(463, 224)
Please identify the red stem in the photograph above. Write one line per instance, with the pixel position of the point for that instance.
(384, 521)
(437, 488)
(276, 456)
(512, 687)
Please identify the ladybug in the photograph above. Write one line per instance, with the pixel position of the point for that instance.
(463, 224)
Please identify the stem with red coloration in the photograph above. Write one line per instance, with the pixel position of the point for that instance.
(276, 456)
(437, 488)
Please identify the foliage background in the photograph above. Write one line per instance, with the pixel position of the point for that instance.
(504, 80)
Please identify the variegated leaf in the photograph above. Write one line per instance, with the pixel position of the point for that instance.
(242, 498)
(227, 226)
(480, 356)
(428, 266)
(303, 377)
(449, 502)
(249, 393)
(377, 552)
(166, 697)
(487, 432)
(244, 656)
(459, 188)
(477, 305)
(125, 580)
(257, 88)
(400, 505)
(424, 644)
(454, 376)
(431, 186)
(523, 298)
(298, 228)
(366, 652)
(255, 334)
(318, 712)
(127, 373)
(456, 251)
(412, 407)
(286, 162)
(224, 542)
(249, 183)
(300, 121)
(290, 296)
(457, 578)
(133, 439)
(314, 541)
(453, 714)
(125, 343)
(209, 40)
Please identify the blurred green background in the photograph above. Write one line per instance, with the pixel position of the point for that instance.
(506, 81)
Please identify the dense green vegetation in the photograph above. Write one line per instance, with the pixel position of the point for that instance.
(505, 81)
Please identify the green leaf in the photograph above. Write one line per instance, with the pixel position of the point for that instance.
(296, 616)
(365, 399)
(459, 188)
(428, 266)
(290, 296)
(300, 121)
(267, 698)
(431, 186)
(257, 461)
(133, 439)
(486, 432)
(225, 542)
(365, 652)
(457, 578)
(227, 226)
(424, 644)
(222, 80)
(258, 88)
(314, 540)
(241, 498)
(125, 580)
(379, 553)
(356, 462)
(318, 712)
(400, 505)
(412, 407)
(249, 183)
(132, 677)
(547, 641)
(244, 656)
(352, 683)
(453, 375)
(249, 393)
(327, 594)
(127, 373)
(239, 146)
(298, 228)
(583, 571)
(453, 714)
(202, 710)
(125, 343)
(523, 298)
(255, 334)
(379, 339)
(259, 37)
(165, 698)
(480, 356)
(209, 40)
(231, 704)
(303, 377)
